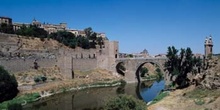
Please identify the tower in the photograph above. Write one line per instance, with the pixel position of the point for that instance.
(208, 46)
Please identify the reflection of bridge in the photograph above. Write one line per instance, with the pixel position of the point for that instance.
(133, 66)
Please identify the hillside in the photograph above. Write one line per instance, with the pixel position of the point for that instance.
(204, 95)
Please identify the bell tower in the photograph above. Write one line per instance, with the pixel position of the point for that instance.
(208, 46)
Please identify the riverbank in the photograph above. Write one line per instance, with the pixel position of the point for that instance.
(89, 79)
(190, 98)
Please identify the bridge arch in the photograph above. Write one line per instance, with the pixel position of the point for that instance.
(141, 64)
(133, 65)
(120, 68)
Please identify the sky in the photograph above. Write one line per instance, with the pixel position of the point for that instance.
(135, 24)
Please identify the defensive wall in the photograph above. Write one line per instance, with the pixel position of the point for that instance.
(21, 65)
(15, 58)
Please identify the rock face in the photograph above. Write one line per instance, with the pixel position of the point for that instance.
(211, 75)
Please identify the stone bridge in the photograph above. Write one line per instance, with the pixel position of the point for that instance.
(133, 66)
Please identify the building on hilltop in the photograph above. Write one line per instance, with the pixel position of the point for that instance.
(82, 33)
(142, 54)
(50, 28)
(208, 46)
(5, 20)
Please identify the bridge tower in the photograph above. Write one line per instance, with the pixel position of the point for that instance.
(208, 46)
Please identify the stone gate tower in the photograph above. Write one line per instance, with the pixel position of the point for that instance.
(208, 46)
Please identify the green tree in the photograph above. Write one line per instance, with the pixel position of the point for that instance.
(32, 30)
(6, 28)
(100, 41)
(88, 31)
(159, 74)
(180, 65)
(8, 85)
(143, 71)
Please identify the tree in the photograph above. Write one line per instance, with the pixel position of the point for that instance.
(8, 85)
(143, 71)
(88, 31)
(6, 28)
(180, 65)
(32, 30)
(100, 41)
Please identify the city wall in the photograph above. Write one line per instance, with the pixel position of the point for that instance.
(21, 65)
(68, 60)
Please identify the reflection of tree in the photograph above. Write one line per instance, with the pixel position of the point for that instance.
(147, 84)
(121, 89)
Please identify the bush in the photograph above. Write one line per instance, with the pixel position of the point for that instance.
(14, 106)
(8, 85)
(43, 78)
(36, 79)
(125, 102)
(40, 78)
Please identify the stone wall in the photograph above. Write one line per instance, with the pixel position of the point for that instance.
(68, 60)
(20, 65)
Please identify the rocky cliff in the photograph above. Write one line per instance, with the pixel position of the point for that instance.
(210, 77)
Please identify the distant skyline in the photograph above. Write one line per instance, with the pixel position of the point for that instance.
(136, 24)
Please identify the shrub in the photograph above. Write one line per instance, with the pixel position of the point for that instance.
(8, 85)
(14, 106)
(37, 79)
(125, 102)
(40, 78)
(43, 78)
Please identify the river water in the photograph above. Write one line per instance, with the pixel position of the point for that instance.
(94, 98)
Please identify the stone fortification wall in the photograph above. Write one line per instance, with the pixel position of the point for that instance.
(20, 65)
(18, 53)
(84, 64)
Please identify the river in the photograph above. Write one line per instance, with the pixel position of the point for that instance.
(94, 98)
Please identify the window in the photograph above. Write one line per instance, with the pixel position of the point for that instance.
(81, 55)
(93, 55)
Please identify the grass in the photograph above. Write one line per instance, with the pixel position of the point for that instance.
(159, 97)
(27, 98)
(199, 94)
(202, 93)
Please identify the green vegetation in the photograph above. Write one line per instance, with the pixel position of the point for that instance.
(5, 28)
(125, 102)
(32, 30)
(143, 71)
(15, 104)
(8, 85)
(85, 42)
(40, 78)
(90, 40)
(130, 56)
(180, 65)
(159, 74)
(159, 97)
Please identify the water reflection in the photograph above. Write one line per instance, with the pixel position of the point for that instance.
(94, 98)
